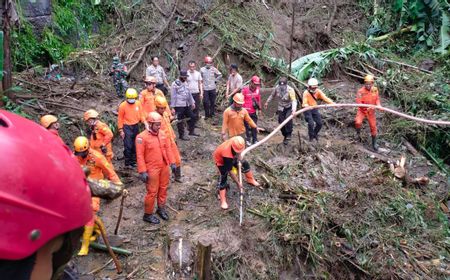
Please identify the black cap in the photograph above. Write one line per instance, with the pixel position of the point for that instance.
(183, 73)
(234, 66)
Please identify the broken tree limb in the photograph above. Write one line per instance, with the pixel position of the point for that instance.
(203, 262)
(407, 65)
(278, 128)
(392, 34)
(154, 39)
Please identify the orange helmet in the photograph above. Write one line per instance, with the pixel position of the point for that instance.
(238, 144)
(81, 144)
(160, 101)
(208, 59)
(369, 79)
(154, 117)
(90, 114)
(238, 98)
(48, 120)
(150, 79)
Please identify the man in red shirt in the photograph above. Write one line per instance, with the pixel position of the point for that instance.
(368, 94)
(252, 103)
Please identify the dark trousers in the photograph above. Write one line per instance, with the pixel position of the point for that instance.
(251, 133)
(282, 115)
(129, 151)
(209, 102)
(313, 116)
(182, 113)
(224, 170)
(162, 88)
(196, 111)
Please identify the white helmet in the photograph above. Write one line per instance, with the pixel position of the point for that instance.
(313, 82)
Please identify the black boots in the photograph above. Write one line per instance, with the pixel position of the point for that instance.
(358, 135)
(374, 143)
(177, 174)
(150, 218)
(162, 213)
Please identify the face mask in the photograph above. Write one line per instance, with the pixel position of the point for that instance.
(131, 101)
(183, 79)
(237, 109)
(208, 66)
(312, 90)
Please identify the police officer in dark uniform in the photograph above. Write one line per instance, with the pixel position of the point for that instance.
(183, 103)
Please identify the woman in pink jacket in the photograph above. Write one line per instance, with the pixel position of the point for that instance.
(252, 103)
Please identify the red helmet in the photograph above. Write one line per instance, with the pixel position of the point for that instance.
(256, 80)
(208, 59)
(43, 191)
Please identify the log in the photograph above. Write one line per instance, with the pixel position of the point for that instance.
(407, 65)
(203, 261)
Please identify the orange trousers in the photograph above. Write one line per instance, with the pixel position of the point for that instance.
(370, 114)
(109, 154)
(176, 153)
(156, 188)
(95, 208)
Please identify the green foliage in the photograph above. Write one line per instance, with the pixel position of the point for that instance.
(73, 21)
(429, 20)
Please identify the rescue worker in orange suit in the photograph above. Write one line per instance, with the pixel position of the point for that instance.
(101, 134)
(99, 167)
(226, 157)
(130, 115)
(368, 94)
(310, 97)
(235, 117)
(154, 158)
(147, 96)
(51, 123)
(161, 108)
(44, 202)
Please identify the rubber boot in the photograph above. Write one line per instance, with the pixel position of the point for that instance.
(223, 199)
(178, 174)
(374, 143)
(250, 179)
(358, 135)
(96, 233)
(88, 230)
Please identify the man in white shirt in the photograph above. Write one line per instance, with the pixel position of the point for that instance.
(210, 76)
(194, 81)
(234, 83)
(158, 72)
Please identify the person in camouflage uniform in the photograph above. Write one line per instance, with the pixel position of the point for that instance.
(119, 73)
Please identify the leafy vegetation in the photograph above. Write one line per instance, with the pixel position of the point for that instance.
(73, 21)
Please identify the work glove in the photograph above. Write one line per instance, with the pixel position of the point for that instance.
(143, 177)
(103, 149)
(173, 167)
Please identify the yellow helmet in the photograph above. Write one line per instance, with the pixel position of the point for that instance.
(81, 144)
(90, 114)
(131, 93)
(48, 120)
(238, 98)
(160, 101)
(369, 79)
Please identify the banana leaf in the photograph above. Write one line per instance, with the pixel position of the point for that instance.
(444, 34)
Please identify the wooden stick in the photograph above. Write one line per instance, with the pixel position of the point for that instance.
(119, 218)
(114, 257)
(100, 268)
(407, 65)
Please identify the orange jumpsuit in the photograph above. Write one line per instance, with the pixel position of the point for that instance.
(130, 114)
(365, 96)
(99, 167)
(147, 99)
(154, 156)
(233, 121)
(102, 136)
(168, 131)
